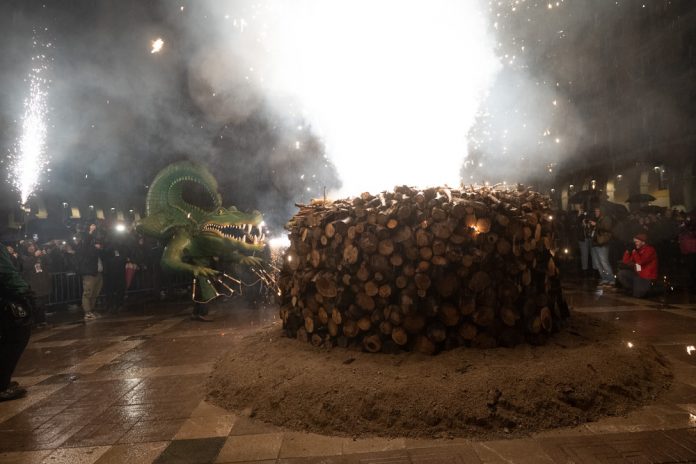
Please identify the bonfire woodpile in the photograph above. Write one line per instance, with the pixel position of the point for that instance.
(422, 270)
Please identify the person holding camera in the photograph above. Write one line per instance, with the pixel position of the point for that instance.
(639, 267)
(15, 324)
(584, 241)
(601, 233)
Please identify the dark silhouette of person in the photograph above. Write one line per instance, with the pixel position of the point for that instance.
(15, 325)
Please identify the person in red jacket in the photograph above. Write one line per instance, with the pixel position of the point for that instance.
(640, 267)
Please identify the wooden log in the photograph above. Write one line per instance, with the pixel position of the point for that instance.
(483, 316)
(363, 273)
(509, 316)
(436, 332)
(399, 336)
(396, 259)
(350, 328)
(364, 301)
(386, 247)
(326, 286)
(350, 253)
(333, 328)
(372, 343)
(371, 288)
(309, 324)
(323, 316)
(385, 327)
(364, 324)
(449, 315)
(422, 281)
(467, 331)
(424, 345)
(384, 291)
(336, 316)
(413, 324)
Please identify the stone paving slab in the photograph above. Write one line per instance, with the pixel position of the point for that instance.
(131, 388)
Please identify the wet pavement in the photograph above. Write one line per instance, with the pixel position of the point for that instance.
(130, 388)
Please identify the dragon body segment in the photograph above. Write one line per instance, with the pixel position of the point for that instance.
(195, 233)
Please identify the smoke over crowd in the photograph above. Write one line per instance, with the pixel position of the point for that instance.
(288, 100)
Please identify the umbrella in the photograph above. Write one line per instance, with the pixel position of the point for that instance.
(617, 210)
(640, 198)
(583, 196)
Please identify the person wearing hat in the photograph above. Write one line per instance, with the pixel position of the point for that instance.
(640, 267)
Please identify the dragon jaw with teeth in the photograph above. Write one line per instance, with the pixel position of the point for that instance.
(195, 234)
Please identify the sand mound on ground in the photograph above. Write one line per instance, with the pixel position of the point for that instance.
(582, 374)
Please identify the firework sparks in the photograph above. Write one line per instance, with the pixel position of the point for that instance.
(29, 158)
(157, 45)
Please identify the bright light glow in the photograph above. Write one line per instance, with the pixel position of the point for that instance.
(393, 87)
(566, 250)
(629, 344)
(28, 158)
(120, 227)
(279, 242)
(690, 349)
(157, 45)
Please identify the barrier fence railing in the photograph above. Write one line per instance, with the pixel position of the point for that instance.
(66, 287)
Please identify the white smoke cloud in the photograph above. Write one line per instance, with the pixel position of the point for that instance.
(392, 87)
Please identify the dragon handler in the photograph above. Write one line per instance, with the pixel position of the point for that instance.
(184, 210)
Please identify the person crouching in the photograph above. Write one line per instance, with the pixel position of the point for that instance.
(639, 267)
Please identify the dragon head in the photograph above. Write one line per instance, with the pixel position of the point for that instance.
(233, 230)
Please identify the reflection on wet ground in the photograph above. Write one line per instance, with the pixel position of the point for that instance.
(130, 388)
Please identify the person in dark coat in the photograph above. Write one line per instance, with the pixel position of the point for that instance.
(91, 267)
(115, 255)
(15, 325)
(39, 280)
(601, 233)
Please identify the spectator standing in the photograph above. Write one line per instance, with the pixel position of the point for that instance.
(135, 261)
(15, 325)
(641, 267)
(114, 255)
(601, 227)
(35, 274)
(687, 246)
(584, 241)
(91, 268)
(15, 259)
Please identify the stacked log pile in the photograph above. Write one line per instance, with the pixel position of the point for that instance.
(422, 270)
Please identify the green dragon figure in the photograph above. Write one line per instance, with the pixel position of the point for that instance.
(195, 234)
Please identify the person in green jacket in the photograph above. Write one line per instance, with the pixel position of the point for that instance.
(15, 324)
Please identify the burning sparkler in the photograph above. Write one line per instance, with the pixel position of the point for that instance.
(157, 45)
(29, 159)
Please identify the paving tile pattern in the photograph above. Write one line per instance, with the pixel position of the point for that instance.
(130, 388)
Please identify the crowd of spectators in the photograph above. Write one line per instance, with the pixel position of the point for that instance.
(119, 255)
(597, 236)
(672, 234)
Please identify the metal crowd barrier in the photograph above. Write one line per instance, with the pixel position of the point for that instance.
(66, 287)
